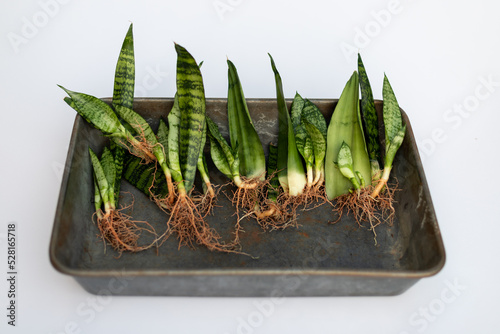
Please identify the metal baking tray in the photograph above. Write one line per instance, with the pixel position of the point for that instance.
(316, 259)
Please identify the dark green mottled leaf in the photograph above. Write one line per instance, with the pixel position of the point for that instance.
(191, 95)
(314, 116)
(95, 111)
(118, 155)
(298, 127)
(272, 167)
(392, 114)
(123, 93)
(369, 114)
(142, 176)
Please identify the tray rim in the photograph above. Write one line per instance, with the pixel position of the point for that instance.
(370, 273)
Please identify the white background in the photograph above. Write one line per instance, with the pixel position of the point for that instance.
(437, 54)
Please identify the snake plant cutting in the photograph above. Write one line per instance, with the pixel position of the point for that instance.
(338, 161)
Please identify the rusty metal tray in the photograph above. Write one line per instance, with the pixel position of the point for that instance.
(317, 259)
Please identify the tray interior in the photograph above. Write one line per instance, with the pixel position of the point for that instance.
(412, 244)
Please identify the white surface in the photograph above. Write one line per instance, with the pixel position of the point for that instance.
(435, 54)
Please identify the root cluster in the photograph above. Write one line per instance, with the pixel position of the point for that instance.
(365, 208)
(189, 225)
(187, 215)
(274, 215)
(207, 201)
(141, 149)
(187, 222)
(122, 233)
(247, 195)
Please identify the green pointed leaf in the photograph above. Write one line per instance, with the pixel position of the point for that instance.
(70, 103)
(219, 158)
(296, 177)
(202, 164)
(138, 123)
(272, 166)
(252, 161)
(283, 119)
(315, 124)
(174, 120)
(299, 130)
(369, 114)
(96, 112)
(345, 164)
(308, 151)
(100, 178)
(344, 161)
(162, 136)
(203, 170)
(360, 154)
(213, 130)
(203, 141)
(392, 114)
(317, 140)
(221, 152)
(345, 126)
(296, 111)
(313, 115)
(144, 131)
(289, 159)
(97, 196)
(394, 147)
(119, 156)
(123, 93)
(191, 95)
(108, 166)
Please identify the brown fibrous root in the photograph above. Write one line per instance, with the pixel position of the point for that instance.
(207, 201)
(273, 216)
(187, 222)
(247, 194)
(285, 209)
(141, 148)
(122, 233)
(365, 208)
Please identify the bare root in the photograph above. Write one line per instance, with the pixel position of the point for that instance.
(365, 208)
(251, 196)
(141, 149)
(287, 208)
(272, 216)
(188, 223)
(207, 201)
(247, 194)
(122, 233)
